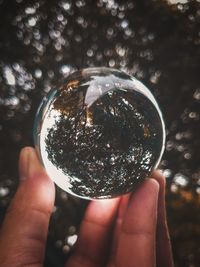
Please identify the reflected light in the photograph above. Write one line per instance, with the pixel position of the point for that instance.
(197, 94)
(174, 188)
(66, 249)
(38, 73)
(8, 75)
(71, 240)
(4, 191)
(65, 5)
(174, 2)
(181, 180)
(198, 190)
(32, 21)
(30, 10)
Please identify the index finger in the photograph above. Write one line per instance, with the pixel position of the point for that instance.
(136, 245)
(94, 238)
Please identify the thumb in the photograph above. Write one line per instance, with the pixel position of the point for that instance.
(24, 231)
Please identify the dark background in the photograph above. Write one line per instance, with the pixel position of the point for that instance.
(158, 42)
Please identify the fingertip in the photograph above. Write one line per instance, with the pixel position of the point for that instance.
(143, 202)
(153, 184)
(148, 188)
(24, 162)
(101, 210)
(35, 185)
(158, 176)
(29, 164)
(27, 149)
(25, 152)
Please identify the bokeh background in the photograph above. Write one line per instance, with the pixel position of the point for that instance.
(157, 41)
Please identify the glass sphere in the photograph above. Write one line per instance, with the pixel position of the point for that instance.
(99, 134)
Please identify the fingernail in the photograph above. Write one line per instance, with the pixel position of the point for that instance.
(160, 171)
(34, 165)
(29, 164)
(157, 172)
(24, 163)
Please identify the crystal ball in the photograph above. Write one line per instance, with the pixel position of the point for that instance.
(99, 134)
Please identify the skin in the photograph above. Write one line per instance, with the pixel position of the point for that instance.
(128, 231)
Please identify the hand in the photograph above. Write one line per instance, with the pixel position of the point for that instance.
(122, 232)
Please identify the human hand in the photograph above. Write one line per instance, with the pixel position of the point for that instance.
(123, 232)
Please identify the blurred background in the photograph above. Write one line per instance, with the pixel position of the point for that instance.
(157, 41)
